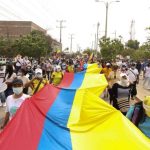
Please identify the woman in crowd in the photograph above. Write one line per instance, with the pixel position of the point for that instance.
(19, 63)
(139, 114)
(113, 76)
(9, 77)
(70, 67)
(14, 101)
(146, 83)
(106, 70)
(49, 69)
(120, 94)
(57, 76)
(22, 75)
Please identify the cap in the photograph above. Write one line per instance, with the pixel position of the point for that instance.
(17, 81)
(58, 67)
(107, 64)
(38, 71)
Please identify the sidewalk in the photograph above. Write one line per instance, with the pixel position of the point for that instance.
(2, 114)
(141, 92)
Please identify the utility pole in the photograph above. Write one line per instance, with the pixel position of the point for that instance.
(60, 27)
(107, 6)
(106, 21)
(132, 30)
(71, 38)
(97, 38)
(95, 42)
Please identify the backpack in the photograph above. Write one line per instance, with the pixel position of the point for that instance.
(137, 113)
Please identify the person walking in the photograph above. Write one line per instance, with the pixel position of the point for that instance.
(48, 69)
(133, 75)
(9, 77)
(120, 94)
(19, 63)
(146, 83)
(22, 75)
(57, 76)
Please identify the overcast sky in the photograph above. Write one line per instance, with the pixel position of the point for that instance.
(81, 17)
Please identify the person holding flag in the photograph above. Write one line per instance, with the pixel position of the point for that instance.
(14, 101)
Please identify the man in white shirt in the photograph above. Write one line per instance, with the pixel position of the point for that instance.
(133, 75)
(13, 102)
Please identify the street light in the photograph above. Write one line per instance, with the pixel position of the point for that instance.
(107, 5)
(71, 38)
(97, 38)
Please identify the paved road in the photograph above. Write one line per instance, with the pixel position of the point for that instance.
(2, 113)
(141, 94)
(141, 91)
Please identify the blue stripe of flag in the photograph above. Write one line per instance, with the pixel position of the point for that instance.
(55, 134)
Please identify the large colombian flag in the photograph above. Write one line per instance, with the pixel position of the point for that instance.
(71, 117)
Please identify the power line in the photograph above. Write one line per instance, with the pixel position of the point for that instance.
(41, 8)
(28, 10)
(22, 7)
(5, 15)
(97, 37)
(6, 9)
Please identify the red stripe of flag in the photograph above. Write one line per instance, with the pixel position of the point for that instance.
(25, 129)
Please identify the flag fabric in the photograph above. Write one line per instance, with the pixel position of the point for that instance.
(92, 68)
(71, 117)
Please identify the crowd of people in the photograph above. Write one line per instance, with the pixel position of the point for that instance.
(26, 76)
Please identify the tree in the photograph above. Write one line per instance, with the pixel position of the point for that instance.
(133, 44)
(110, 48)
(87, 51)
(5, 47)
(127, 52)
(35, 44)
(144, 50)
